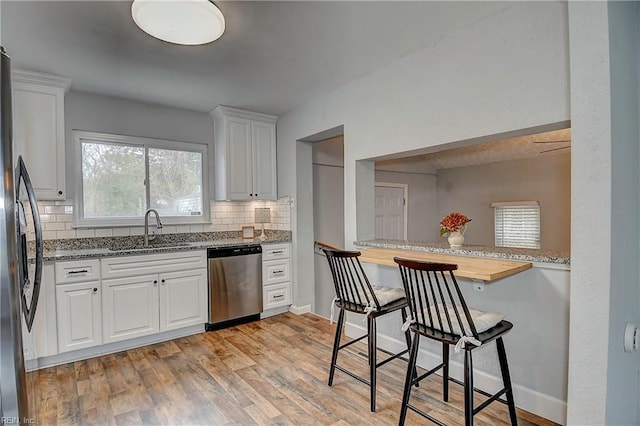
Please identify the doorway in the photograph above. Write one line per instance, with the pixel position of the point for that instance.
(391, 211)
(328, 214)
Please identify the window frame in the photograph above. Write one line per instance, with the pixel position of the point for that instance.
(517, 204)
(80, 136)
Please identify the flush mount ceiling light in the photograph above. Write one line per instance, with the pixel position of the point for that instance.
(188, 22)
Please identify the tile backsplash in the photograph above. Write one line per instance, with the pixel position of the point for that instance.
(57, 220)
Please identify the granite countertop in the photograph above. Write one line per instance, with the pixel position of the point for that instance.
(83, 248)
(508, 253)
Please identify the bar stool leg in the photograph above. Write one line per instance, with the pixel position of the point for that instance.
(373, 349)
(445, 372)
(468, 388)
(506, 379)
(336, 345)
(413, 356)
(407, 337)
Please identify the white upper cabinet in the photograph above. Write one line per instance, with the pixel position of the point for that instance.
(245, 154)
(38, 130)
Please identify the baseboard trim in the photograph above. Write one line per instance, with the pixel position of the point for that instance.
(527, 399)
(299, 310)
(109, 348)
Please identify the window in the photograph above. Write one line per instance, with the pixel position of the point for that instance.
(120, 177)
(517, 224)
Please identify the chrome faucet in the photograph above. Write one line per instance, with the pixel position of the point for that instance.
(146, 226)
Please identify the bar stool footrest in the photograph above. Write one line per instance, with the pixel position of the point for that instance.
(345, 371)
(492, 397)
(425, 415)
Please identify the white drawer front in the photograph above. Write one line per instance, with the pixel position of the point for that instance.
(275, 271)
(75, 271)
(121, 267)
(275, 251)
(276, 295)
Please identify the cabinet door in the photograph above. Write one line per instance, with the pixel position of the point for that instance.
(130, 307)
(264, 161)
(239, 173)
(183, 299)
(79, 316)
(38, 130)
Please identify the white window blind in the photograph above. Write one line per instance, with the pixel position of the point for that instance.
(517, 224)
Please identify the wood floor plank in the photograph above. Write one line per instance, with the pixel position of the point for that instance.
(269, 372)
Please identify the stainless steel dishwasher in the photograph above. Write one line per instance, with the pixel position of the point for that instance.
(235, 285)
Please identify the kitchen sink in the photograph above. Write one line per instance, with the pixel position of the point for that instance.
(151, 246)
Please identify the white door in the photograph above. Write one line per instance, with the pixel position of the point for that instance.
(390, 212)
(38, 134)
(239, 167)
(264, 160)
(183, 299)
(130, 307)
(79, 316)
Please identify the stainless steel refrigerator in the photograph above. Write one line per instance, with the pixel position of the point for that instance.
(18, 260)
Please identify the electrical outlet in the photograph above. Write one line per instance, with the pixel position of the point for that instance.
(631, 337)
(292, 203)
(479, 286)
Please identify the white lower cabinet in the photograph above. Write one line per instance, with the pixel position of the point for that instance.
(276, 277)
(78, 306)
(114, 299)
(183, 299)
(130, 307)
(138, 303)
(79, 315)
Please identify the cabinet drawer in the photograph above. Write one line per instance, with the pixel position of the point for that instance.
(75, 271)
(122, 267)
(275, 251)
(275, 271)
(276, 295)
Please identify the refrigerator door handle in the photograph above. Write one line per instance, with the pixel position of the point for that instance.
(29, 307)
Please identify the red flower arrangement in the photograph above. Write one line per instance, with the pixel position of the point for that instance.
(453, 222)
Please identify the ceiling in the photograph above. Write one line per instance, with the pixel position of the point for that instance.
(273, 57)
(530, 146)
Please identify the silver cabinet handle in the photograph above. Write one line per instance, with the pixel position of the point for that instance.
(82, 271)
(277, 251)
(277, 272)
(278, 296)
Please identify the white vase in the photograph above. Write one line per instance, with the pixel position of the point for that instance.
(456, 239)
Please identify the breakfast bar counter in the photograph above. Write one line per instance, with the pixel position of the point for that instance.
(474, 268)
(504, 253)
(530, 288)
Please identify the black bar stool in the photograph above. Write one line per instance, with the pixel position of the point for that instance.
(439, 312)
(354, 293)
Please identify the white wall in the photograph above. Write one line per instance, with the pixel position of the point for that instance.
(471, 190)
(622, 408)
(504, 73)
(507, 72)
(421, 204)
(105, 114)
(603, 380)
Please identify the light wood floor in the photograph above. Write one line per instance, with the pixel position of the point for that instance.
(269, 372)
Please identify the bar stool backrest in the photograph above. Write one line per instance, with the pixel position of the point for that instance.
(350, 281)
(434, 297)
